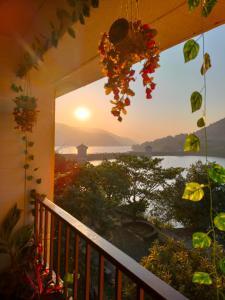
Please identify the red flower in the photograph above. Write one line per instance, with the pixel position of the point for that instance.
(146, 27)
(127, 101)
(153, 85)
(151, 44)
(148, 93)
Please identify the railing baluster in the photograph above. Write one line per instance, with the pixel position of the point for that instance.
(41, 225)
(146, 282)
(140, 293)
(52, 237)
(87, 271)
(59, 247)
(36, 220)
(118, 284)
(101, 277)
(46, 236)
(67, 256)
(76, 265)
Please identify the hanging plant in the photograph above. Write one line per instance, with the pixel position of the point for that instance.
(126, 44)
(25, 111)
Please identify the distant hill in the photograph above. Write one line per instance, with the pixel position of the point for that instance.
(73, 136)
(174, 144)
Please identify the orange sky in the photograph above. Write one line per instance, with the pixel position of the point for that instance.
(169, 112)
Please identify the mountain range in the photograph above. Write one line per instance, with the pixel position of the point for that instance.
(174, 144)
(73, 136)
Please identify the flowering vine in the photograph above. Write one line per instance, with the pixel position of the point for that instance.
(126, 44)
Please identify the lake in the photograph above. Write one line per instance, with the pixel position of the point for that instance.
(168, 161)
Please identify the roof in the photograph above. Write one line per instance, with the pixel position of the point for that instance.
(75, 62)
(82, 146)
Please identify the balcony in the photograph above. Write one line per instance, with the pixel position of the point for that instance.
(64, 238)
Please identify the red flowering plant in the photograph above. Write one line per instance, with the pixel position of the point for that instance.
(48, 282)
(126, 44)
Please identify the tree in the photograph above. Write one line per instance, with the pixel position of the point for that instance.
(193, 215)
(85, 199)
(147, 180)
(175, 264)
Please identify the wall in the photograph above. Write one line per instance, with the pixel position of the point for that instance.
(11, 150)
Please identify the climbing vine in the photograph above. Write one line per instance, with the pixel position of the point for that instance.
(25, 116)
(76, 10)
(194, 191)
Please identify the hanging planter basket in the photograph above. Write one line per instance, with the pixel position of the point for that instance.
(126, 44)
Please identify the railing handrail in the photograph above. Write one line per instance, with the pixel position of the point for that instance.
(128, 265)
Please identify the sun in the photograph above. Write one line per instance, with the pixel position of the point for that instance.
(82, 113)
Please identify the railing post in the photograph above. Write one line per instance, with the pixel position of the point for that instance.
(59, 247)
(118, 283)
(76, 265)
(140, 293)
(67, 256)
(46, 227)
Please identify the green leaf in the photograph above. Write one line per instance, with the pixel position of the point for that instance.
(192, 143)
(16, 88)
(29, 178)
(68, 278)
(62, 13)
(191, 49)
(71, 32)
(193, 4)
(222, 265)
(201, 122)
(217, 173)
(193, 191)
(30, 144)
(196, 101)
(201, 240)
(72, 2)
(219, 221)
(95, 3)
(38, 181)
(81, 18)
(208, 7)
(202, 278)
(206, 64)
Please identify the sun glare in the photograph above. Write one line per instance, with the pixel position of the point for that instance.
(82, 113)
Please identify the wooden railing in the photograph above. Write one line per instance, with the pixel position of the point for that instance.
(64, 239)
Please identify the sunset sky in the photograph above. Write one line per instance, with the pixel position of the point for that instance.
(168, 113)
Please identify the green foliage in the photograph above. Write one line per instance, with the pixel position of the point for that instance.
(193, 191)
(66, 17)
(193, 4)
(192, 215)
(217, 173)
(202, 278)
(201, 122)
(201, 240)
(196, 101)
(206, 64)
(222, 265)
(71, 32)
(175, 264)
(192, 143)
(208, 7)
(219, 221)
(190, 50)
